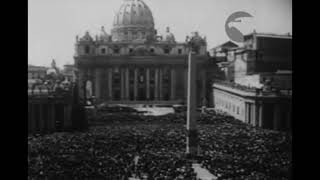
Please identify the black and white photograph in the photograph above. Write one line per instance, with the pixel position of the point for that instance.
(159, 90)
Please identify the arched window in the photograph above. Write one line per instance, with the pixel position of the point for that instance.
(166, 50)
(116, 50)
(103, 51)
(87, 49)
(134, 35)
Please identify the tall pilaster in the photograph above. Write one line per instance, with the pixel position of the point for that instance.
(98, 74)
(161, 84)
(127, 84)
(203, 84)
(148, 83)
(247, 115)
(255, 116)
(122, 83)
(173, 84)
(261, 124)
(135, 84)
(81, 83)
(156, 88)
(110, 84)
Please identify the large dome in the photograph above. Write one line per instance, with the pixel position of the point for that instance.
(133, 13)
(133, 21)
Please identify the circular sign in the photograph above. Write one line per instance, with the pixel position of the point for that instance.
(233, 33)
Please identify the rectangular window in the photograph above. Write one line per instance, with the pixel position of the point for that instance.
(179, 51)
(116, 51)
(103, 51)
(87, 49)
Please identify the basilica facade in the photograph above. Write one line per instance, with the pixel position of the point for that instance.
(134, 64)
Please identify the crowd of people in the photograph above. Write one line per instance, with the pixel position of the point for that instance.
(150, 147)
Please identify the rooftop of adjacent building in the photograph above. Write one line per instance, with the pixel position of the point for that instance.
(36, 68)
(269, 35)
(251, 91)
(229, 45)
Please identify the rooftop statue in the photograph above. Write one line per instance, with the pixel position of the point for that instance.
(169, 37)
(196, 41)
(53, 64)
(103, 35)
(53, 70)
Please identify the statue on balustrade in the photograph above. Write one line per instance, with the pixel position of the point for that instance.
(169, 37)
(196, 41)
(103, 35)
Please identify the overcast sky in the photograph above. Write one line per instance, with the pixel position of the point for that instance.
(53, 24)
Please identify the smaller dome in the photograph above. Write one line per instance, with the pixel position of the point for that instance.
(86, 37)
(169, 37)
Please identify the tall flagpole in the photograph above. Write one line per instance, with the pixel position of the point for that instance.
(192, 136)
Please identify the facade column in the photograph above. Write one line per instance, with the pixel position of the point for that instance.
(156, 88)
(247, 115)
(173, 84)
(98, 83)
(250, 113)
(81, 84)
(148, 83)
(135, 84)
(203, 88)
(110, 84)
(255, 114)
(91, 79)
(127, 84)
(122, 83)
(276, 117)
(161, 84)
(261, 124)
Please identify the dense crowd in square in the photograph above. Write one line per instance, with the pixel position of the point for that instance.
(153, 147)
